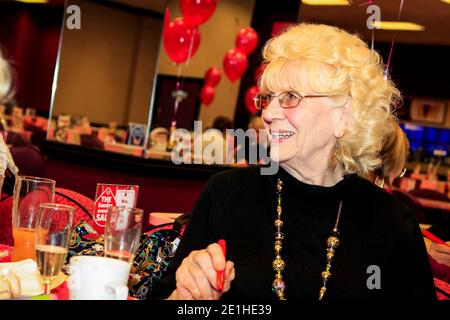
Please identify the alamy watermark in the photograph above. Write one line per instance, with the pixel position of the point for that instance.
(73, 21)
(229, 148)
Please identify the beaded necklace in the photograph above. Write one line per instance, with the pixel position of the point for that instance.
(278, 285)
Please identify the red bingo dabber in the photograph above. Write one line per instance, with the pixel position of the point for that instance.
(221, 274)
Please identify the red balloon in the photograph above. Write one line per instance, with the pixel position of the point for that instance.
(181, 41)
(166, 21)
(235, 64)
(207, 95)
(249, 96)
(212, 76)
(259, 71)
(247, 40)
(197, 12)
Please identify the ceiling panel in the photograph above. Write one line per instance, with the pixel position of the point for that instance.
(433, 14)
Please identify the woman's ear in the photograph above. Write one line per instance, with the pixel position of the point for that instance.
(342, 119)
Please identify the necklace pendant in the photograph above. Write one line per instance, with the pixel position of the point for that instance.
(278, 286)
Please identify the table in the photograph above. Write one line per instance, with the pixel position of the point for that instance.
(434, 204)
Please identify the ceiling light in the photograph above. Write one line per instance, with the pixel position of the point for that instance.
(327, 2)
(33, 1)
(446, 1)
(398, 25)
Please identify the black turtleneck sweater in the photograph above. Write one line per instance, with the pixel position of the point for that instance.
(239, 206)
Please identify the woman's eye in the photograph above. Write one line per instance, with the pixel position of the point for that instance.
(292, 96)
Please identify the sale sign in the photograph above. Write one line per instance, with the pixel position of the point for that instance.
(109, 195)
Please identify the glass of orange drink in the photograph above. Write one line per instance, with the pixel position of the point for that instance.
(29, 193)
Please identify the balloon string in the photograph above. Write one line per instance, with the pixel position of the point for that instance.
(177, 88)
(393, 41)
(372, 45)
(191, 45)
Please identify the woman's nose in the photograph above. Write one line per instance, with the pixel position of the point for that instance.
(273, 111)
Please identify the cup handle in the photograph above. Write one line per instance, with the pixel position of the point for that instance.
(120, 291)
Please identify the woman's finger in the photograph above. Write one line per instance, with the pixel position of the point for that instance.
(200, 277)
(183, 293)
(204, 261)
(186, 280)
(218, 259)
(229, 275)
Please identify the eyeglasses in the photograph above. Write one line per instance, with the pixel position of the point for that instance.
(287, 99)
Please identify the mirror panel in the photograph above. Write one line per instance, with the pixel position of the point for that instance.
(106, 75)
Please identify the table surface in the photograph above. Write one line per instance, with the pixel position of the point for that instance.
(434, 204)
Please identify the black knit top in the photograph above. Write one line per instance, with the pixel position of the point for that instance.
(376, 233)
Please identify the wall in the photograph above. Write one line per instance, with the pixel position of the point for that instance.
(107, 68)
(29, 39)
(217, 37)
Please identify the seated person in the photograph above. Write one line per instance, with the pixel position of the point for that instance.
(215, 143)
(257, 144)
(312, 228)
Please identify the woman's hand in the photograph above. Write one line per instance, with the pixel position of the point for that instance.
(197, 275)
(439, 252)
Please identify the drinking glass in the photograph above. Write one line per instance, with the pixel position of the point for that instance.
(123, 232)
(53, 231)
(29, 193)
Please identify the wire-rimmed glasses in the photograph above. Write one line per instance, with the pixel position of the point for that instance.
(287, 99)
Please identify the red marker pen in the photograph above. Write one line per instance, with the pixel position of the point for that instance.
(221, 274)
(433, 238)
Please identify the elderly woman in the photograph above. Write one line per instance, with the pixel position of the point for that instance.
(315, 230)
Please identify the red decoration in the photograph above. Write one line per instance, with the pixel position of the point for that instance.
(197, 12)
(235, 64)
(247, 40)
(166, 21)
(207, 95)
(212, 76)
(181, 41)
(259, 71)
(249, 96)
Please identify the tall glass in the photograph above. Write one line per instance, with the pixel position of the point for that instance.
(29, 193)
(123, 232)
(53, 231)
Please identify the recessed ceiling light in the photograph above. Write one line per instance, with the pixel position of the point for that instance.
(33, 1)
(327, 2)
(398, 25)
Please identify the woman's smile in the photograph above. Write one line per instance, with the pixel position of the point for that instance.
(280, 136)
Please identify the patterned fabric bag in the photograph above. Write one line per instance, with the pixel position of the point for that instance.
(151, 261)
(158, 246)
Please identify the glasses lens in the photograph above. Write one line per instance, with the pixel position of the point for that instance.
(262, 101)
(289, 99)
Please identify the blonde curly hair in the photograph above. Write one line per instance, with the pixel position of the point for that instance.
(5, 78)
(394, 153)
(337, 63)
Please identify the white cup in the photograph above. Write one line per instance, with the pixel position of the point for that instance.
(98, 278)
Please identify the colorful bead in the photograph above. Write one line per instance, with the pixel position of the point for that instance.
(333, 242)
(278, 285)
(278, 248)
(278, 223)
(278, 264)
(279, 236)
(322, 292)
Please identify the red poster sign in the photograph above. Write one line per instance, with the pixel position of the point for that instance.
(108, 195)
